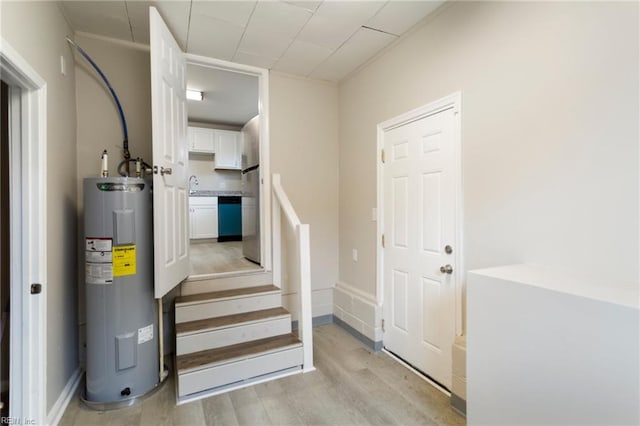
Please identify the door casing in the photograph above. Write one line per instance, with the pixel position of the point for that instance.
(28, 171)
(451, 101)
(264, 157)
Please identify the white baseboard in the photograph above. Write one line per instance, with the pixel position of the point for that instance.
(58, 409)
(358, 310)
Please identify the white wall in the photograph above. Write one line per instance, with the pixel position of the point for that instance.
(549, 133)
(304, 151)
(99, 128)
(42, 49)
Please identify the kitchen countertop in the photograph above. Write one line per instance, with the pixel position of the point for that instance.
(205, 193)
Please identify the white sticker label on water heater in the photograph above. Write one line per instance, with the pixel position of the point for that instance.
(99, 273)
(99, 256)
(99, 260)
(98, 244)
(145, 334)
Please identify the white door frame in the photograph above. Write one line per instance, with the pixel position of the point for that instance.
(452, 101)
(265, 174)
(28, 170)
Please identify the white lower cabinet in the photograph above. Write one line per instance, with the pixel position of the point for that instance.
(203, 217)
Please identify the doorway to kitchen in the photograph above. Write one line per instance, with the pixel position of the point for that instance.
(224, 190)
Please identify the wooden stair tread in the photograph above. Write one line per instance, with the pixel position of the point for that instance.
(210, 357)
(228, 320)
(225, 294)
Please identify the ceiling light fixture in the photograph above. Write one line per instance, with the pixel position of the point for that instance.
(194, 95)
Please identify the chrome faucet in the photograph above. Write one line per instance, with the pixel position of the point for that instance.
(192, 179)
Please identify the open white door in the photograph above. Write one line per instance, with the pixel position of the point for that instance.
(169, 130)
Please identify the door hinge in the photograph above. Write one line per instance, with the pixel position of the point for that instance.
(382, 240)
(382, 156)
(383, 325)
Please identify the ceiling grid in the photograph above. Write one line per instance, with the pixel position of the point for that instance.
(326, 40)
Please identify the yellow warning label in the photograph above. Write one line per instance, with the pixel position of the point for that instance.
(124, 260)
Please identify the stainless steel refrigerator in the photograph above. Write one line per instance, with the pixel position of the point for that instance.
(251, 190)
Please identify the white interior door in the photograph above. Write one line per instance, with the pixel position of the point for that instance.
(419, 221)
(170, 182)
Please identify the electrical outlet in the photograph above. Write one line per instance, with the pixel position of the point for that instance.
(354, 255)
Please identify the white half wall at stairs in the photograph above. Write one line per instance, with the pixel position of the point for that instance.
(358, 310)
(321, 302)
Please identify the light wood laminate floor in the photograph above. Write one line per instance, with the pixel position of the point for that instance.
(351, 385)
(208, 257)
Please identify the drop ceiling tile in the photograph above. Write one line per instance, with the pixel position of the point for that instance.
(361, 47)
(176, 16)
(301, 58)
(139, 19)
(315, 32)
(213, 38)
(254, 60)
(278, 18)
(174, 13)
(105, 18)
(138, 12)
(265, 44)
(396, 17)
(234, 12)
(349, 12)
(141, 35)
(308, 4)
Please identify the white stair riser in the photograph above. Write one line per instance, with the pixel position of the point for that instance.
(239, 385)
(225, 374)
(226, 283)
(219, 308)
(232, 335)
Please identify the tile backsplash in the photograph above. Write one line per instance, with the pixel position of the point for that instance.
(209, 179)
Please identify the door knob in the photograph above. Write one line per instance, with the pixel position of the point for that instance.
(163, 171)
(446, 269)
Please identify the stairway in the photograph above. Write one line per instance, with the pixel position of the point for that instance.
(232, 338)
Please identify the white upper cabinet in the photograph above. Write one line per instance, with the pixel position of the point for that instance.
(228, 146)
(201, 140)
